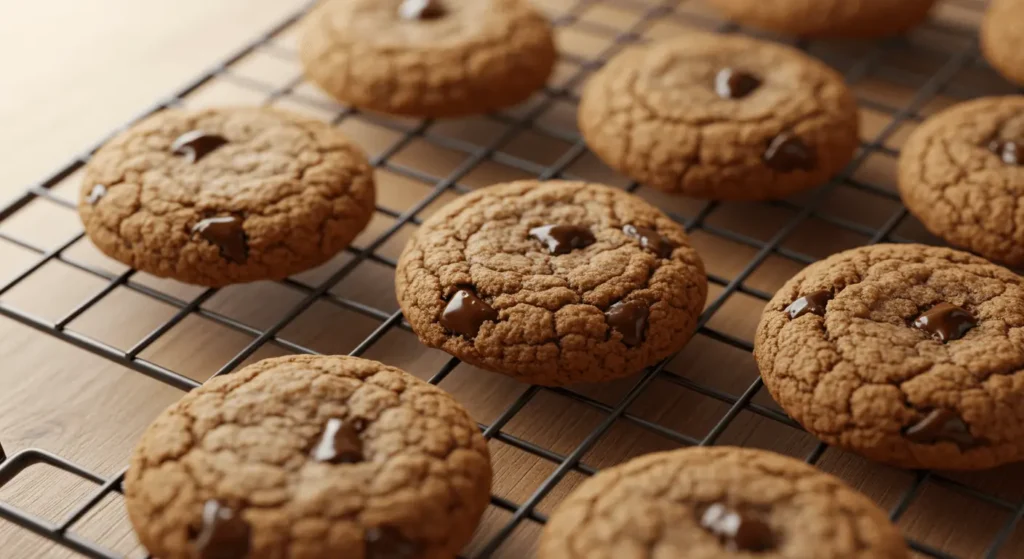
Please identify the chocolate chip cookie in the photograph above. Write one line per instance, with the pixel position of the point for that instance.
(962, 174)
(717, 503)
(229, 195)
(907, 354)
(1002, 38)
(553, 282)
(428, 58)
(309, 456)
(828, 18)
(720, 117)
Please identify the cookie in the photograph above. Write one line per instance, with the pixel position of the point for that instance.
(828, 18)
(1002, 38)
(907, 354)
(720, 117)
(428, 58)
(223, 196)
(961, 173)
(716, 503)
(309, 456)
(553, 282)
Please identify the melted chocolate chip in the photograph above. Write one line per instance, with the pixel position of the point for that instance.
(735, 84)
(630, 320)
(1008, 150)
(737, 531)
(3, 455)
(466, 312)
(787, 153)
(227, 233)
(97, 192)
(813, 303)
(421, 9)
(196, 144)
(339, 443)
(562, 239)
(225, 535)
(941, 426)
(388, 543)
(650, 240)
(945, 322)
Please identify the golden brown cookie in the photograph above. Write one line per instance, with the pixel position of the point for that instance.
(718, 503)
(720, 117)
(309, 456)
(227, 195)
(553, 282)
(1002, 38)
(428, 58)
(828, 18)
(907, 354)
(962, 174)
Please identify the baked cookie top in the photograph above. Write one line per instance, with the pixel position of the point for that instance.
(1002, 38)
(962, 173)
(552, 282)
(717, 503)
(309, 456)
(828, 18)
(227, 195)
(430, 58)
(907, 354)
(720, 117)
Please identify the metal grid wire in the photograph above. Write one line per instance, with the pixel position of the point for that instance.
(867, 63)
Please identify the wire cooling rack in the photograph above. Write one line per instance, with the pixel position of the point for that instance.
(710, 394)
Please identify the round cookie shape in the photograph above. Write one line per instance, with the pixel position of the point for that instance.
(906, 354)
(1002, 38)
(223, 196)
(720, 117)
(828, 18)
(552, 283)
(428, 58)
(961, 174)
(718, 503)
(310, 456)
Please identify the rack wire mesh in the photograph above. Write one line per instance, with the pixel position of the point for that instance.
(709, 394)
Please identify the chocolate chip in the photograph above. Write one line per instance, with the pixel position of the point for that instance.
(650, 240)
(735, 84)
(466, 312)
(945, 322)
(97, 192)
(562, 239)
(421, 9)
(196, 144)
(787, 153)
(388, 543)
(225, 535)
(3, 455)
(629, 318)
(340, 443)
(227, 233)
(941, 426)
(737, 531)
(813, 303)
(1007, 150)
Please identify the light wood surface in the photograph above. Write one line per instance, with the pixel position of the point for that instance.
(74, 70)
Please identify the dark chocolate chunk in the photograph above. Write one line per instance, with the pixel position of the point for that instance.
(1007, 150)
(650, 240)
(421, 9)
(735, 84)
(388, 543)
(466, 312)
(787, 153)
(941, 425)
(224, 535)
(227, 233)
(562, 239)
(737, 531)
(630, 320)
(97, 192)
(813, 303)
(945, 322)
(196, 145)
(340, 443)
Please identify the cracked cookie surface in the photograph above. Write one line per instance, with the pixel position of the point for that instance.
(251, 441)
(597, 307)
(473, 57)
(1002, 38)
(223, 196)
(828, 18)
(961, 175)
(658, 114)
(715, 503)
(914, 356)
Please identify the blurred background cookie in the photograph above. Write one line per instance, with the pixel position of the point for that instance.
(828, 18)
